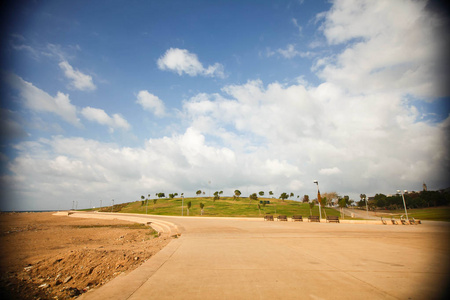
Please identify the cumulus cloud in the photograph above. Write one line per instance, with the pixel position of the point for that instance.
(37, 100)
(182, 61)
(79, 80)
(151, 103)
(100, 116)
(393, 45)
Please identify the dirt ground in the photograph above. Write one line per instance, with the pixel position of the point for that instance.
(59, 257)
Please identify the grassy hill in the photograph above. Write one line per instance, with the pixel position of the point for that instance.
(224, 207)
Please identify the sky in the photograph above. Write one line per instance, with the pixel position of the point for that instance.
(104, 100)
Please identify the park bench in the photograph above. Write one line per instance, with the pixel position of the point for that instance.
(268, 218)
(282, 218)
(403, 221)
(313, 219)
(333, 219)
(416, 222)
(297, 218)
(394, 222)
(383, 221)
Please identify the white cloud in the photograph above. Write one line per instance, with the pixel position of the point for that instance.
(182, 61)
(101, 117)
(294, 21)
(392, 45)
(330, 171)
(290, 52)
(79, 80)
(151, 103)
(39, 101)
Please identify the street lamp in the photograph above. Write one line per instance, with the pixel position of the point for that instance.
(318, 198)
(404, 204)
(367, 207)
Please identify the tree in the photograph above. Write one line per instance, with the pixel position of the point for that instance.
(221, 192)
(199, 192)
(161, 195)
(261, 193)
(270, 193)
(284, 196)
(142, 202)
(342, 203)
(380, 200)
(311, 206)
(171, 196)
(237, 193)
(331, 197)
(188, 206)
(291, 195)
(201, 208)
(253, 196)
(305, 199)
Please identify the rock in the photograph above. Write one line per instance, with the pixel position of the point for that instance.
(68, 278)
(74, 292)
(28, 269)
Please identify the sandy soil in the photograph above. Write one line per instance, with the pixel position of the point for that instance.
(58, 257)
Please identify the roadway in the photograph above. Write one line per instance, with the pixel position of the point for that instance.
(243, 258)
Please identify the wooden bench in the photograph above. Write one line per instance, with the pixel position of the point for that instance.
(297, 218)
(268, 218)
(333, 219)
(383, 221)
(403, 221)
(282, 218)
(394, 222)
(313, 219)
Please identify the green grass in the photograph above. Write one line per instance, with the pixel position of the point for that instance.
(225, 207)
(441, 213)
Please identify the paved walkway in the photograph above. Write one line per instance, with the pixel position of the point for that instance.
(225, 258)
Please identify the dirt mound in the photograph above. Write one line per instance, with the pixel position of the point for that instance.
(59, 257)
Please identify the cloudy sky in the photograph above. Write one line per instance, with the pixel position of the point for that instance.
(105, 100)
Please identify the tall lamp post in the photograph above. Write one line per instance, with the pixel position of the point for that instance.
(404, 204)
(367, 206)
(318, 198)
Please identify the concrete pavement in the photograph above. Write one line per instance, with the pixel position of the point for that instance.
(227, 258)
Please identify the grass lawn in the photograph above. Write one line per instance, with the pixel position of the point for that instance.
(225, 207)
(441, 213)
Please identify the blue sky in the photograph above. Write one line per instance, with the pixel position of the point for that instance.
(116, 99)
